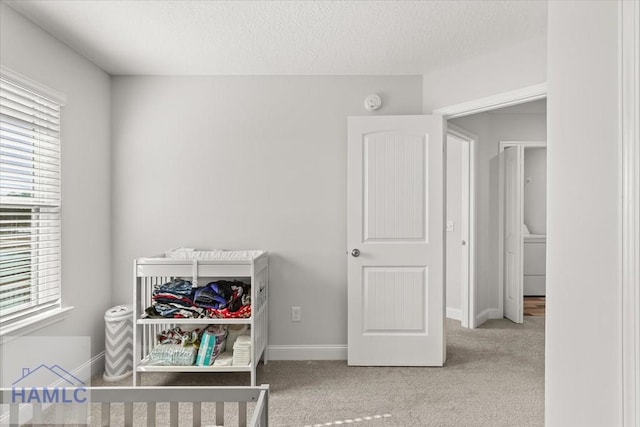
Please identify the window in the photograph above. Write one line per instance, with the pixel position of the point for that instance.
(29, 199)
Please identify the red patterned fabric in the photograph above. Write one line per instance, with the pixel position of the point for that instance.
(243, 313)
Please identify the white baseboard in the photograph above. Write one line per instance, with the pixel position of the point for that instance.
(454, 313)
(489, 313)
(494, 313)
(95, 365)
(307, 352)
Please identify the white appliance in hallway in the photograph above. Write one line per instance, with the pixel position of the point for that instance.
(534, 264)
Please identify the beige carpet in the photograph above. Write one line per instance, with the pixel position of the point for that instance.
(494, 376)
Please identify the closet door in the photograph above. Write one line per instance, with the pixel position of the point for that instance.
(395, 241)
(513, 220)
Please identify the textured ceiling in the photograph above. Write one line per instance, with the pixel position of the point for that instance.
(284, 37)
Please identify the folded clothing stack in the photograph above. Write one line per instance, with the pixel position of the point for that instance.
(179, 298)
(242, 351)
(174, 300)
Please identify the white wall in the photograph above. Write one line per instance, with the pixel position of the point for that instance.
(246, 162)
(501, 71)
(535, 190)
(454, 237)
(86, 175)
(507, 124)
(583, 337)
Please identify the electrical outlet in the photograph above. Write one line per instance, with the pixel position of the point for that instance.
(450, 225)
(296, 314)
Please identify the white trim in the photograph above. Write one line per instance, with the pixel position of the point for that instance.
(307, 352)
(501, 147)
(24, 81)
(501, 100)
(486, 314)
(468, 291)
(629, 94)
(33, 323)
(454, 313)
(94, 364)
(525, 144)
(505, 99)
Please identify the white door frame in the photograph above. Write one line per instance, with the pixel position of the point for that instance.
(493, 102)
(468, 224)
(629, 200)
(502, 146)
(628, 197)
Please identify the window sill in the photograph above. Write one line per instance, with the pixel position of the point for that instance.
(33, 323)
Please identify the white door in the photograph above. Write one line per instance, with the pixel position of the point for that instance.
(395, 241)
(513, 220)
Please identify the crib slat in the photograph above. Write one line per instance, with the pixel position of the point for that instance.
(37, 413)
(242, 414)
(128, 396)
(105, 414)
(197, 414)
(128, 414)
(220, 413)
(59, 410)
(151, 414)
(14, 415)
(173, 414)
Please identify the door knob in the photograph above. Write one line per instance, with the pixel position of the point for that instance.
(355, 252)
(464, 243)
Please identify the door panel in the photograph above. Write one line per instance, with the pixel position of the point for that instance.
(395, 220)
(394, 187)
(405, 310)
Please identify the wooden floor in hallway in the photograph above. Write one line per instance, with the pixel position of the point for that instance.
(534, 306)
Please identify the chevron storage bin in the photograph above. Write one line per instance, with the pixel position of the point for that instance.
(118, 359)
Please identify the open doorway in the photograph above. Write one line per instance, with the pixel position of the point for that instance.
(460, 225)
(522, 122)
(522, 228)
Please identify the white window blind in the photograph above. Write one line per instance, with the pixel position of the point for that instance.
(30, 246)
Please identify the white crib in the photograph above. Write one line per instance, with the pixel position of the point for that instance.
(106, 405)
